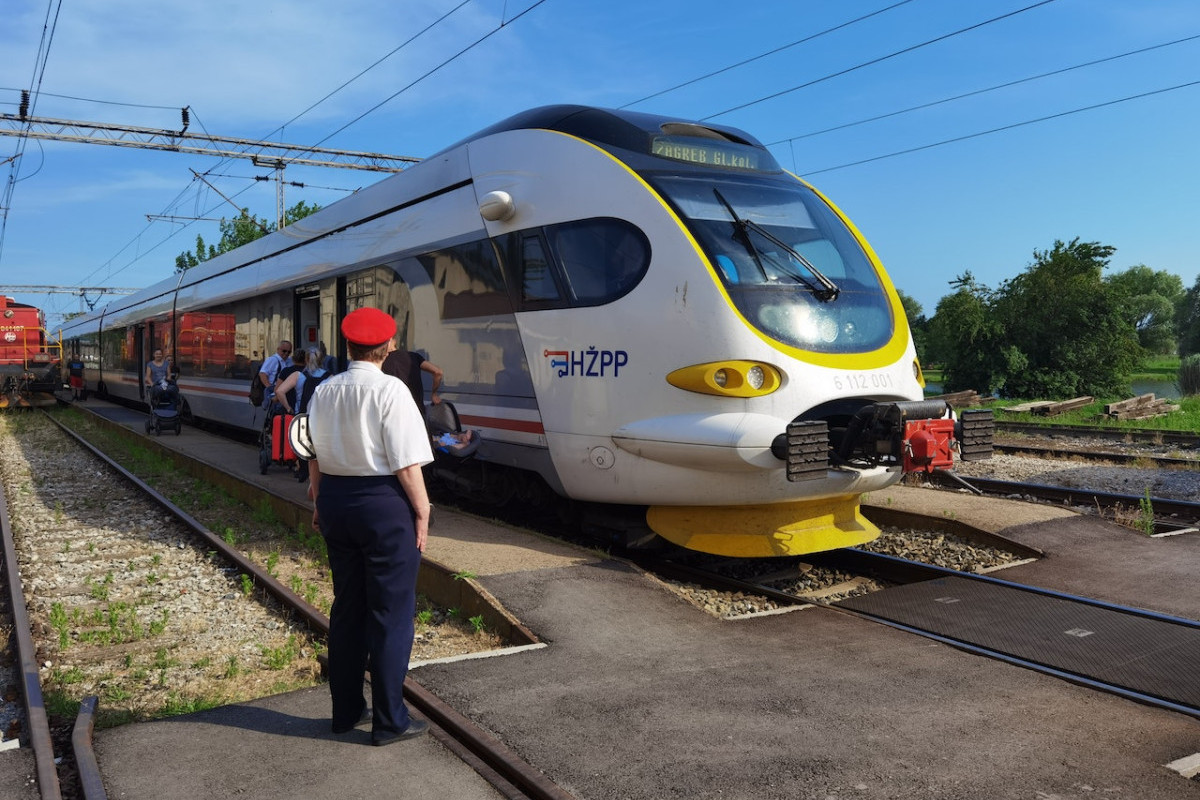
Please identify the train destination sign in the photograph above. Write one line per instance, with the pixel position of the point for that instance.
(711, 153)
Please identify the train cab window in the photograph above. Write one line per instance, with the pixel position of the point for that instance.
(601, 259)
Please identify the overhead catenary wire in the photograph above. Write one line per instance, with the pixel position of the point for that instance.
(976, 92)
(879, 60)
(1002, 128)
(53, 8)
(771, 52)
(503, 23)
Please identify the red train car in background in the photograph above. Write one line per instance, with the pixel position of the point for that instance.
(30, 361)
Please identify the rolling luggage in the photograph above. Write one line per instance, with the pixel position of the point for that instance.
(281, 445)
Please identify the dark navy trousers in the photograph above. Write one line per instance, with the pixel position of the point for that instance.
(367, 523)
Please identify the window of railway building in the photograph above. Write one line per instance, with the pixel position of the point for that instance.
(468, 280)
(601, 259)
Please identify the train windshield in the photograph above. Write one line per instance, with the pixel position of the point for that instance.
(789, 263)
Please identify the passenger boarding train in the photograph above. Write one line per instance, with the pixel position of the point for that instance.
(636, 311)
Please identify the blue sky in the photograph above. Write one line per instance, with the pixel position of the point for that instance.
(1123, 174)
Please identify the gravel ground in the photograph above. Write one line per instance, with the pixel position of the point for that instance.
(1170, 484)
(126, 605)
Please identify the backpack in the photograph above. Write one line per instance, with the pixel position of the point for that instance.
(306, 393)
(257, 390)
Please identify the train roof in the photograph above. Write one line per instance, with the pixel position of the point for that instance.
(629, 131)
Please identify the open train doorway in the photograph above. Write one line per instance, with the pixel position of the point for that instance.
(308, 317)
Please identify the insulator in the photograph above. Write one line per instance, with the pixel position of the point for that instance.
(24, 111)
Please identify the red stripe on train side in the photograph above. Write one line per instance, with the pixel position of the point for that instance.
(520, 425)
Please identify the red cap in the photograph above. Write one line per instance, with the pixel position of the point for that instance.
(368, 327)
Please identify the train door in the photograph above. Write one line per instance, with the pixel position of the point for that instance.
(308, 317)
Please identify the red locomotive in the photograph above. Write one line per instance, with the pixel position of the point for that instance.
(29, 360)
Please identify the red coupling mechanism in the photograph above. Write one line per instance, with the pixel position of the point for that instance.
(928, 444)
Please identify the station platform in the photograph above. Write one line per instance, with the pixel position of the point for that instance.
(638, 694)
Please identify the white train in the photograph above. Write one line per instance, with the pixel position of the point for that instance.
(635, 311)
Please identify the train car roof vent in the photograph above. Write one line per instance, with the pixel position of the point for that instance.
(699, 131)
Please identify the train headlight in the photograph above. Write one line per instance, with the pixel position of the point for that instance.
(728, 378)
(755, 377)
(918, 374)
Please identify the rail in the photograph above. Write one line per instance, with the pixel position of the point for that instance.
(510, 774)
(35, 707)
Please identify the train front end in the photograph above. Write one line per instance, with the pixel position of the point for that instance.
(29, 361)
(819, 354)
(748, 374)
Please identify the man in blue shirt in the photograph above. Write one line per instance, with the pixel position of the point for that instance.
(269, 371)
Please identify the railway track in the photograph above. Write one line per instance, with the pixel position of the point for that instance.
(1099, 456)
(1169, 515)
(23, 655)
(507, 772)
(1078, 639)
(1181, 439)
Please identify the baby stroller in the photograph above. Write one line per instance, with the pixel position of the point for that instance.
(164, 409)
(446, 434)
(274, 447)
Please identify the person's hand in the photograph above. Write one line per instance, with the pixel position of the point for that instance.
(422, 526)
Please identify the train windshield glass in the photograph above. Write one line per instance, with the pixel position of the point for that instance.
(776, 290)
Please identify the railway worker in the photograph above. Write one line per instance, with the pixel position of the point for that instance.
(75, 375)
(371, 507)
(268, 373)
(408, 366)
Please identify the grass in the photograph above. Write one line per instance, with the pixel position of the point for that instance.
(1162, 368)
(1186, 420)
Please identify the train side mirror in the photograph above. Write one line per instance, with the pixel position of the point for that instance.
(497, 207)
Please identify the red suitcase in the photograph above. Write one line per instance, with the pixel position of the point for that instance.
(281, 445)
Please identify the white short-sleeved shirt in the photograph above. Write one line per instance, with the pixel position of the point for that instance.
(364, 422)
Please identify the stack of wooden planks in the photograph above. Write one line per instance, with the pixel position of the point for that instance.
(967, 399)
(1141, 407)
(1050, 408)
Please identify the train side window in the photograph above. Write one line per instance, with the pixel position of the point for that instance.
(537, 278)
(468, 280)
(601, 259)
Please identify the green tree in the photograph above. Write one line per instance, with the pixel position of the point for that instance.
(1056, 330)
(1068, 325)
(963, 336)
(242, 229)
(916, 322)
(1188, 320)
(1150, 299)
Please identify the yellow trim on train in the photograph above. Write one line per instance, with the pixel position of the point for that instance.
(873, 359)
(760, 531)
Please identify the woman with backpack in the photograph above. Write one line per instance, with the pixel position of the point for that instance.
(296, 389)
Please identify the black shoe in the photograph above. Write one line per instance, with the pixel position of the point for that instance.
(365, 716)
(416, 727)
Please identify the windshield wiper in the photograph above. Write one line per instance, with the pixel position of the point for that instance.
(824, 289)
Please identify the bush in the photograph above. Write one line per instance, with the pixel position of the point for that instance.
(1189, 375)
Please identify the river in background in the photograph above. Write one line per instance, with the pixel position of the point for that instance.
(1165, 390)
